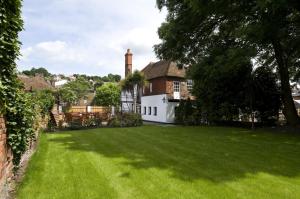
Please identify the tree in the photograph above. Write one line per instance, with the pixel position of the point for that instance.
(34, 71)
(133, 84)
(108, 94)
(80, 86)
(220, 82)
(269, 28)
(72, 91)
(266, 95)
(45, 99)
(67, 96)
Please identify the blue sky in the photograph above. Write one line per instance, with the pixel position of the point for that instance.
(88, 36)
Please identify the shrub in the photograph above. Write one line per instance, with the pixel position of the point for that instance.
(185, 113)
(126, 120)
(92, 122)
(75, 124)
(114, 122)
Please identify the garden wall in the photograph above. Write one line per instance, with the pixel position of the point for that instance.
(6, 165)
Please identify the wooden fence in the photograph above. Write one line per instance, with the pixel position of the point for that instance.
(89, 109)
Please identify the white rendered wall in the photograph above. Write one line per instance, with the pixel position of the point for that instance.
(171, 111)
(165, 110)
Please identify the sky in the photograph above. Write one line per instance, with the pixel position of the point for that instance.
(88, 36)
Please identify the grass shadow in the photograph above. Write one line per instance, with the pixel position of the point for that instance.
(217, 154)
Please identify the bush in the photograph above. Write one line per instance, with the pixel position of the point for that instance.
(186, 114)
(75, 124)
(92, 122)
(126, 120)
(114, 122)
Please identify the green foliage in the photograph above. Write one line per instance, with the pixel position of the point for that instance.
(126, 120)
(108, 94)
(135, 79)
(109, 78)
(16, 106)
(266, 95)
(34, 71)
(185, 113)
(267, 31)
(20, 124)
(92, 122)
(67, 95)
(71, 92)
(133, 83)
(45, 100)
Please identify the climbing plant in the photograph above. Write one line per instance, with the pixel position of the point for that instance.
(16, 106)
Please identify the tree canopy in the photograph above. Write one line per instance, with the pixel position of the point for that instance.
(109, 94)
(264, 32)
(33, 71)
(72, 91)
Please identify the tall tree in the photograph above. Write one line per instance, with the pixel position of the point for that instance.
(270, 28)
(133, 84)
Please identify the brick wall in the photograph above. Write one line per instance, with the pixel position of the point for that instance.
(6, 165)
(164, 85)
(158, 86)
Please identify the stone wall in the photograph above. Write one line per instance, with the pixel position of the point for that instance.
(6, 165)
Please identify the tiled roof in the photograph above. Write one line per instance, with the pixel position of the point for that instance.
(163, 69)
(37, 82)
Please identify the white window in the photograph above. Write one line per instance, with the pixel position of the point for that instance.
(176, 86)
(189, 84)
(150, 87)
(149, 110)
(155, 111)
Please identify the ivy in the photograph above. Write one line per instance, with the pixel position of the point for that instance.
(15, 105)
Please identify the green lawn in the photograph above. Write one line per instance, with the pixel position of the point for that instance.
(164, 162)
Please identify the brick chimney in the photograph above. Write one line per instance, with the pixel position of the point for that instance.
(128, 63)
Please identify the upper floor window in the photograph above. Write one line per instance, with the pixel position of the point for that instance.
(150, 87)
(189, 84)
(176, 86)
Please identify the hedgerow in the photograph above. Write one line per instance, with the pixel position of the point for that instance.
(15, 105)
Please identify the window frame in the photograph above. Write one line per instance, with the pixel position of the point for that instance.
(189, 85)
(155, 110)
(176, 86)
(149, 110)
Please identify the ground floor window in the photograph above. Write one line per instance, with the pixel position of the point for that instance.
(155, 111)
(149, 110)
(145, 110)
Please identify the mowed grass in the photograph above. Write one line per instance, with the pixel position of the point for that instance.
(164, 162)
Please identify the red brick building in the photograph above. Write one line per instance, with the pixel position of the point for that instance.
(167, 86)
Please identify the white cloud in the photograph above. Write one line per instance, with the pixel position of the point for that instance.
(88, 36)
(54, 51)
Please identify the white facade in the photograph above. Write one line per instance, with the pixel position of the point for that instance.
(156, 108)
(127, 101)
(60, 83)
